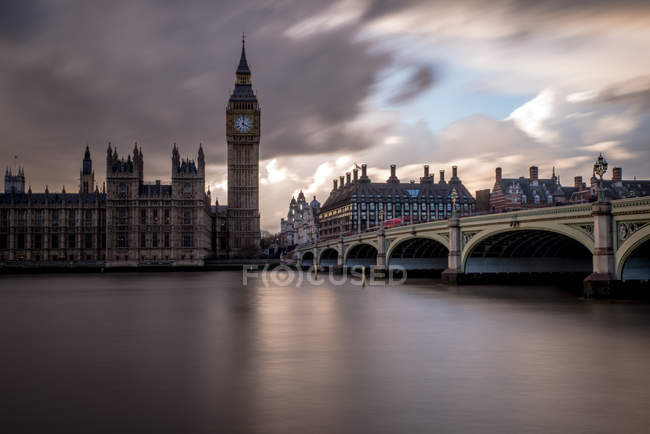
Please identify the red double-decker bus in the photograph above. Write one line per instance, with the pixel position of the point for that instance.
(399, 221)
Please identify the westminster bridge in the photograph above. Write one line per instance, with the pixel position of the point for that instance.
(608, 241)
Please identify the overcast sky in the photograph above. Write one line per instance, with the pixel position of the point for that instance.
(474, 83)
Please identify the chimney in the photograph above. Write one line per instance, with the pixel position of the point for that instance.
(427, 178)
(577, 182)
(617, 174)
(355, 174)
(442, 177)
(347, 178)
(534, 173)
(342, 181)
(454, 173)
(364, 175)
(498, 174)
(334, 184)
(393, 177)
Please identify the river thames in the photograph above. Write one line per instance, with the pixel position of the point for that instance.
(197, 352)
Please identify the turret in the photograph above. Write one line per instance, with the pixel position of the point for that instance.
(176, 158)
(87, 175)
(201, 160)
(138, 162)
(15, 183)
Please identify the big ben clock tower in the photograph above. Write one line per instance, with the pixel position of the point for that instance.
(243, 136)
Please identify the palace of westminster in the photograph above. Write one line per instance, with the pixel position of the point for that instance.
(133, 223)
(130, 222)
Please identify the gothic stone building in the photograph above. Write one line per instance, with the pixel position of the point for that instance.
(132, 222)
(156, 223)
(52, 227)
(243, 136)
(129, 223)
(357, 204)
(301, 225)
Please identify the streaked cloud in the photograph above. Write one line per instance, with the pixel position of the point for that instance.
(347, 82)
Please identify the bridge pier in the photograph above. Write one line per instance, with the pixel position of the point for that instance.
(602, 281)
(340, 257)
(381, 266)
(454, 272)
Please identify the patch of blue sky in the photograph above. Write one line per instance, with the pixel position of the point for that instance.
(457, 93)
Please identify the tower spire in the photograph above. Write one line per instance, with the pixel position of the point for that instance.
(243, 74)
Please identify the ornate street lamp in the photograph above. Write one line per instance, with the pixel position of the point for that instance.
(454, 197)
(600, 167)
(381, 219)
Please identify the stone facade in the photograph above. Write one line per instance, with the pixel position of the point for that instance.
(243, 135)
(51, 228)
(135, 223)
(130, 223)
(150, 224)
(301, 224)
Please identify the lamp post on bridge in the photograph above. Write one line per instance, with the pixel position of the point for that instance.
(601, 282)
(454, 198)
(600, 167)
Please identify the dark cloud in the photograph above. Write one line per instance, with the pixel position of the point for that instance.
(19, 19)
(419, 81)
(159, 73)
(74, 72)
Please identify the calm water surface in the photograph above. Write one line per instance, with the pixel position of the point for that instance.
(199, 353)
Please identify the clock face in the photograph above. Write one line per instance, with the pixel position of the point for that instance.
(243, 124)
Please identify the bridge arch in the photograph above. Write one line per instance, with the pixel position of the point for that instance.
(426, 252)
(529, 249)
(307, 259)
(328, 257)
(360, 254)
(434, 237)
(560, 229)
(636, 246)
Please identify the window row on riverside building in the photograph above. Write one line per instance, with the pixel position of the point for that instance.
(52, 227)
(128, 223)
(356, 204)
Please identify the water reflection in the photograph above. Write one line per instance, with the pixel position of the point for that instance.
(197, 352)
